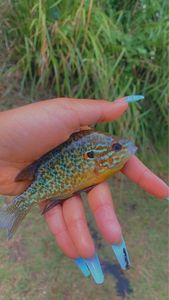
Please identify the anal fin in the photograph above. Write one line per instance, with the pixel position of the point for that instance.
(52, 202)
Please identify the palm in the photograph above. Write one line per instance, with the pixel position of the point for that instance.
(33, 135)
(32, 130)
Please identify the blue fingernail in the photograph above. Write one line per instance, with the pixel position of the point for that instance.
(167, 198)
(133, 98)
(95, 269)
(121, 254)
(80, 263)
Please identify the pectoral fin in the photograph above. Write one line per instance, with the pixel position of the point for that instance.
(28, 173)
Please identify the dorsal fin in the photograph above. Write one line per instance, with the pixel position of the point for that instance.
(28, 173)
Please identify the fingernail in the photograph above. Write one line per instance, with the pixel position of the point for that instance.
(95, 269)
(133, 98)
(80, 263)
(167, 198)
(121, 254)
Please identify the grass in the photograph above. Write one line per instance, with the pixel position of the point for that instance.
(93, 49)
(43, 272)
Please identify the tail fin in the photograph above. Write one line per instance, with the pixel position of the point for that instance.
(12, 215)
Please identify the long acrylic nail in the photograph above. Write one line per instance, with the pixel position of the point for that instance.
(133, 98)
(95, 269)
(81, 264)
(167, 198)
(121, 254)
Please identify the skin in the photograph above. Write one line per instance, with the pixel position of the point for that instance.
(28, 132)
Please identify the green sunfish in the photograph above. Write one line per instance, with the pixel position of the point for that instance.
(84, 160)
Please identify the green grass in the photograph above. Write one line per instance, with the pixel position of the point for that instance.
(102, 49)
(32, 267)
(93, 49)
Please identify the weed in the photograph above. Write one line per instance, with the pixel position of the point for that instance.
(95, 49)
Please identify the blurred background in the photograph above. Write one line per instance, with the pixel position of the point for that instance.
(100, 50)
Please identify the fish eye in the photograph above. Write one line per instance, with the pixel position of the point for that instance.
(116, 147)
(89, 154)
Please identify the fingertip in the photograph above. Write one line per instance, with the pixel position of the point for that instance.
(81, 237)
(121, 101)
(119, 107)
(86, 248)
(113, 233)
(109, 228)
(136, 171)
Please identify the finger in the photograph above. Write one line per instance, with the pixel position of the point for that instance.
(76, 223)
(100, 201)
(57, 226)
(135, 170)
(89, 112)
(58, 118)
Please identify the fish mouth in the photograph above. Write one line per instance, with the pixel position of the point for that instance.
(131, 148)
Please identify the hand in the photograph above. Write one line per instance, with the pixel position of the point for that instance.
(28, 132)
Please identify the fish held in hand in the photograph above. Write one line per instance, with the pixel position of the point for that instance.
(84, 160)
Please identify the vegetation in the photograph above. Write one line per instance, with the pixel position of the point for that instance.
(43, 272)
(93, 49)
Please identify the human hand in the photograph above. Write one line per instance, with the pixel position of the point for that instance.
(31, 131)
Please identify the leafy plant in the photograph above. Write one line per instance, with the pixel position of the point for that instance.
(95, 49)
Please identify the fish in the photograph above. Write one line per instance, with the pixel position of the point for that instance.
(87, 158)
